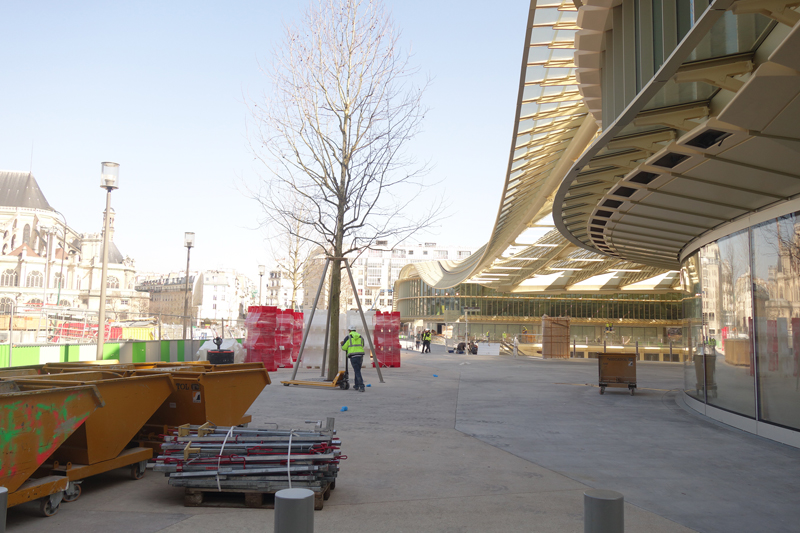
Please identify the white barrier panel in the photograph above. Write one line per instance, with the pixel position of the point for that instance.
(488, 348)
(87, 352)
(49, 354)
(152, 352)
(125, 352)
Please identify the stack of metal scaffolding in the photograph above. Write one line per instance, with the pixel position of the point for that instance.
(251, 460)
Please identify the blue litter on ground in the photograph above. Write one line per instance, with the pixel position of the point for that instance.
(436, 375)
(368, 385)
(344, 408)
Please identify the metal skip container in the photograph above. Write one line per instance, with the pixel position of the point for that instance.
(221, 397)
(130, 402)
(34, 424)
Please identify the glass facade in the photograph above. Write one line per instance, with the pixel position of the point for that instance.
(416, 299)
(741, 322)
(646, 32)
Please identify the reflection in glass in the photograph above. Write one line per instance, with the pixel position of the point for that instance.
(727, 318)
(776, 264)
(692, 330)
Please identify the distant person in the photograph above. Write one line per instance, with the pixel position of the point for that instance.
(426, 341)
(353, 346)
(461, 348)
(419, 339)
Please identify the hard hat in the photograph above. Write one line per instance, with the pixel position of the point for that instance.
(351, 328)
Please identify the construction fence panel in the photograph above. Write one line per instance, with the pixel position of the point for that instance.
(125, 352)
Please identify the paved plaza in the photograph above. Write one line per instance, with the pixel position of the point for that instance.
(462, 443)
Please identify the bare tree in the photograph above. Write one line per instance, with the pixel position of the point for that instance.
(292, 254)
(333, 133)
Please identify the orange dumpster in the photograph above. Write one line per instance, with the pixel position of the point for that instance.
(190, 366)
(221, 397)
(85, 366)
(11, 372)
(34, 424)
(130, 402)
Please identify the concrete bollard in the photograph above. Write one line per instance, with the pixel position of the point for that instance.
(603, 511)
(294, 511)
(3, 507)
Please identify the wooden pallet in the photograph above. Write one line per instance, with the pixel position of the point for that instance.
(211, 497)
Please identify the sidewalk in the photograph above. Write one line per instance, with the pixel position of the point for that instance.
(476, 443)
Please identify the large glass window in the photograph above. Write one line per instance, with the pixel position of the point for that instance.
(35, 279)
(10, 278)
(741, 328)
(374, 274)
(776, 268)
(727, 312)
(692, 330)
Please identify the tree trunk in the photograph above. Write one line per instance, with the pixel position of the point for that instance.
(333, 343)
(335, 288)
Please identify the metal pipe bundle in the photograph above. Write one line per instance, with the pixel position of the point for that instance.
(243, 459)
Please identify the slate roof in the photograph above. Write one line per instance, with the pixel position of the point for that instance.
(115, 257)
(19, 189)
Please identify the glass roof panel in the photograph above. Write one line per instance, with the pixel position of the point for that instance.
(732, 34)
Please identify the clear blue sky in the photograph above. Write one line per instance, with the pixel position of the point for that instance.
(159, 87)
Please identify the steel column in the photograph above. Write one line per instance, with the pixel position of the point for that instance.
(101, 314)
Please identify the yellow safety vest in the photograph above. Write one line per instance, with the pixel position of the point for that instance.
(353, 344)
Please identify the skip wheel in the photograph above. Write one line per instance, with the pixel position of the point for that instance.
(137, 472)
(72, 493)
(46, 507)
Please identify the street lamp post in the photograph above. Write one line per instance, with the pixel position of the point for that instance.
(63, 255)
(188, 241)
(260, 281)
(109, 180)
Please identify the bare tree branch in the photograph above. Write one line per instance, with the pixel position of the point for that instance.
(333, 134)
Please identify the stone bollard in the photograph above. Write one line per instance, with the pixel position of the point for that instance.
(294, 511)
(603, 511)
(3, 506)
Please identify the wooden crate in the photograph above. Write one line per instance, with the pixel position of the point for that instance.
(555, 337)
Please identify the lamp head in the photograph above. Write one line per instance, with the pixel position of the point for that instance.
(188, 239)
(109, 175)
(261, 270)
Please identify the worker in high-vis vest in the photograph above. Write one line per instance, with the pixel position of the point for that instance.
(353, 346)
(426, 341)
